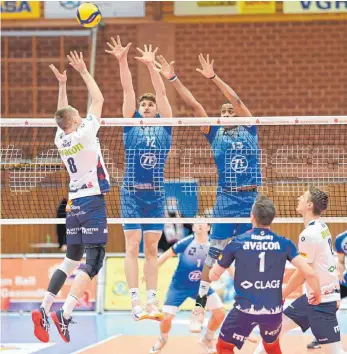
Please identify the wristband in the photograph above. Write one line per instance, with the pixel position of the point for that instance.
(174, 78)
(211, 78)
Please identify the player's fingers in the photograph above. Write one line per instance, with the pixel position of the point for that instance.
(72, 56)
(110, 45)
(172, 63)
(76, 55)
(114, 42)
(138, 58)
(212, 63)
(64, 73)
(201, 60)
(140, 50)
(109, 51)
(155, 50)
(81, 55)
(150, 48)
(118, 40)
(208, 58)
(146, 49)
(69, 58)
(128, 46)
(157, 64)
(199, 70)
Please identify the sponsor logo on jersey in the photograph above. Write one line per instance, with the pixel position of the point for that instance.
(337, 329)
(325, 233)
(66, 143)
(261, 285)
(105, 231)
(274, 332)
(239, 163)
(220, 256)
(73, 231)
(239, 337)
(89, 230)
(195, 275)
(148, 160)
(261, 237)
(261, 246)
(71, 151)
(332, 269)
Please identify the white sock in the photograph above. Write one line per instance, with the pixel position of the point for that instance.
(204, 287)
(209, 334)
(48, 301)
(69, 305)
(151, 295)
(164, 336)
(134, 293)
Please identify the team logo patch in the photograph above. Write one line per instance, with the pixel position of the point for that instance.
(221, 255)
(239, 163)
(148, 160)
(195, 275)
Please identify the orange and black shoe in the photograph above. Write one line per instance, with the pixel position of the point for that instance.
(62, 324)
(41, 325)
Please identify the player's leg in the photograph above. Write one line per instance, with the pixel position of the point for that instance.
(325, 327)
(70, 263)
(270, 328)
(94, 237)
(174, 299)
(235, 330)
(215, 306)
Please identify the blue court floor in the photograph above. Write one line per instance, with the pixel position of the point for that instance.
(17, 332)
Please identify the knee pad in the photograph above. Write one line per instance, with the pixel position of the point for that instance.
(95, 255)
(216, 248)
(68, 266)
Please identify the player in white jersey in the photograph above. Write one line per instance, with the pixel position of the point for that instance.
(315, 244)
(86, 222)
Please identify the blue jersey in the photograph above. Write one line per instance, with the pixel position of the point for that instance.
(341, 247)
(237, 156)
(146, 150)
(260, 259)
(192, 257)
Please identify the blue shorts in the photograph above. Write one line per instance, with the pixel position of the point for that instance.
(176, 297)
(232, 205)
(320, 318)
(142, 204)
(87, 221)
(238, 325)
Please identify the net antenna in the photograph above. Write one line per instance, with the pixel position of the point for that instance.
(293, 154)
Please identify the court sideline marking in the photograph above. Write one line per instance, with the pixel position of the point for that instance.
(97, 343)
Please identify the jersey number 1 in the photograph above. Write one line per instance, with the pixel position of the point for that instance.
(262, 262)
(72, 166)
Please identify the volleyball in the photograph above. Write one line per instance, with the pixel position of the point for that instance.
(88, 14)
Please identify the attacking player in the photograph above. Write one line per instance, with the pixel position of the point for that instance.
(192, 251)
(341, 249)
(86, 221)
(260, 258)
(315, 244)
(236, 154)
(142, 193)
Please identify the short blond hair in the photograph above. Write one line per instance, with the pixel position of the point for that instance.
(63, 117)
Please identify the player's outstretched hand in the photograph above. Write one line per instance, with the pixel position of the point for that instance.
(166, 69)
(117, 49)
(62, 78)
(148, 55)
(77, 62)
(207, 66)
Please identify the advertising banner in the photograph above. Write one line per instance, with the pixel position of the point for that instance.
(67, 9)
(117, 292)
(311, 7)
(201, 8)
(18, 10)
(257, 7)
(24, 282)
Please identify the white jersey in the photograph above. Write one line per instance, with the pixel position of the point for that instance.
(81, 154)
(315, 244)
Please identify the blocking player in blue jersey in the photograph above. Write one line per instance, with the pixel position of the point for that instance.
(260, 257)
(192, 251)
(237, 158)
(341, 249)
(142, 193)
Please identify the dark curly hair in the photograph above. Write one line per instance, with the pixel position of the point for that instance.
(319, 200)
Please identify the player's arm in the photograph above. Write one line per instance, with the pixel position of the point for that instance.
(62, 79)
(165, 256)
(167, 70)
(208, 71)
(148, 58)
(121, 53)
(341, 267)
(231, 271)
(77, 62)
(224, 262)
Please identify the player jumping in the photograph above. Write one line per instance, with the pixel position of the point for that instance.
(142, 193)
(341, 249)
(236, 154)
(260, 258)
(192, 251)
(315, 244)
(86, 222)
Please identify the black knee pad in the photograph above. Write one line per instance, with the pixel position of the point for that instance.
(95, 255)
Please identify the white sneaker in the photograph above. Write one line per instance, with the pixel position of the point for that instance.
(138, 313)
(158, 346)
(153, 312)
(209, 345)
(197, 319)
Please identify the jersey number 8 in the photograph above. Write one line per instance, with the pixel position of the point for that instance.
(72, 166)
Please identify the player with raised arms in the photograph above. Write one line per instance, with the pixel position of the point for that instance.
(142, 193)
(315, 244)
(260, 258)
(236, 154)
(192, 251)
(86, 220)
